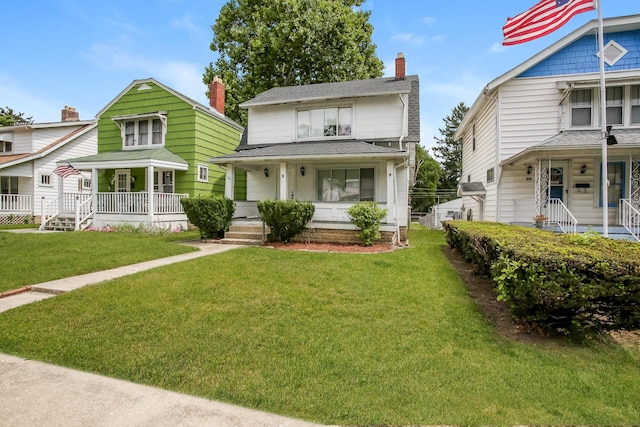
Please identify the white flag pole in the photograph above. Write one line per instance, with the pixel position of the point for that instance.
(603, 122)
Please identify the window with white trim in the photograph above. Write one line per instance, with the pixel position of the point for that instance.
(635, 105)
(490, 175)
(615, 101)
(142, 133)
(346, 185)
(8, 185)
(6, 146)
(324, 122)
(203, 173)
(581, 105)
(163, 181)
(84, 184)
(45, 180)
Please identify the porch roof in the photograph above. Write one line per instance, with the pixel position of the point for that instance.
(156, 157)
(317, 150)
(471, 189)
(583, 141)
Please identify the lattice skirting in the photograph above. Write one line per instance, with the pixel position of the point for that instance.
(27, 218)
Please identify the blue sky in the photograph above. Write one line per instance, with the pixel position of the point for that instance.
(83, 53)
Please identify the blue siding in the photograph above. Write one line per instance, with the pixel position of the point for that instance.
(580, 56)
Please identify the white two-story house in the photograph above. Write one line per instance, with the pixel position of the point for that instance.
(532, 140)
(28, 156)
(334, 144)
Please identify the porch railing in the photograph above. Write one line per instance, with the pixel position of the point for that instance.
(138, 203)
(69, 201)
(629, 218)
(15, 203)
(48, 211)
(558, 214)
(83, 212)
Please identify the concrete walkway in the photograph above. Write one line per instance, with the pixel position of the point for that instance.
(38, 394)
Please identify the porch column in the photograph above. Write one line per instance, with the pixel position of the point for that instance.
(94, 186)
(60, 194)
(284, 190)
(390, 188)
(229, 182)
(150, 193)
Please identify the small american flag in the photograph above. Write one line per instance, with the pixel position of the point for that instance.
(66, 170)
(542, 19)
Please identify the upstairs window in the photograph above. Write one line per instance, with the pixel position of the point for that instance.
(6, 146)
(635, 105)
(142, 133)
(581, 108)
(324, 122)
(345, 185)
(203, 173)
(615, 100)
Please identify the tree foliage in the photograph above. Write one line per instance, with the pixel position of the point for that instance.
(448, 151)
(9, 117)
(274, 43)
(428, 173)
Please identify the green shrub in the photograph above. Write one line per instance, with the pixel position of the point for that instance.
(212, 215)
(367, 216)
(286, 218)
(571, 284)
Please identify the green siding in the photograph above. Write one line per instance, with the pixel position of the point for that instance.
(191, 134)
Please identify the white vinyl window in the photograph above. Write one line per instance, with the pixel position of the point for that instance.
(8, 185)
(581, 108)
(163, 182)
(45, 180)
(203, 173)
(324, 122)
(146, 132)
(345, 185)
(6, 146)
(635, 105)
(615, 101)
(85, 184)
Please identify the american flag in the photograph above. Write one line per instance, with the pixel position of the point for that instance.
(542, 19)
(66, 170)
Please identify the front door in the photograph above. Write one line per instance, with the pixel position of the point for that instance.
(122, 180)
(556, 183)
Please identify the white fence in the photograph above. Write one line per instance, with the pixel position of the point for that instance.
(138, 203)
(15, 203)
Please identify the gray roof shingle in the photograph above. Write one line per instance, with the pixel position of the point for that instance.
(337, 90)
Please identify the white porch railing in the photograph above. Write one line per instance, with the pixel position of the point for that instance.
(15, 203)
(138, 203)
(324, 211)
(557, 213)
(83, 212)
(48, 211)
(69, 201)
(629, 218)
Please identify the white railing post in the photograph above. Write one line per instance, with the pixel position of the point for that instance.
(42, 215)
(77, 211)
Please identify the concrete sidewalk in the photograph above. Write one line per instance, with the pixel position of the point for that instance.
(48, 289)
(37, 394)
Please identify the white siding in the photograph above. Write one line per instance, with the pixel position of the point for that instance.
(373, 118)
(22, 142)
(45, 136)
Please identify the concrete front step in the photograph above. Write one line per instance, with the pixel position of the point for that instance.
(247, 242)
(244, 235)
(249, 228)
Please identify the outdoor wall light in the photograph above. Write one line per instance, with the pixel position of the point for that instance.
(583, 169)
(611, 140)
(266, 172)
(302, 170)
(529, 169)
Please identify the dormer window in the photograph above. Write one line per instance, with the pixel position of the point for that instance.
(324, 122)
(142, 131)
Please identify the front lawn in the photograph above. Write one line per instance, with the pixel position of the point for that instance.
(355, 339)
(30, 258)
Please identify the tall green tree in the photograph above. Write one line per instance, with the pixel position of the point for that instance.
(9, 117)
(448, 151)
(427, 175)
(273, 43)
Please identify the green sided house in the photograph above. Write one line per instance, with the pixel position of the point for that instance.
(153, 147)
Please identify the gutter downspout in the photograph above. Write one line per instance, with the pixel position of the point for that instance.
(405, 120)
(395, 201)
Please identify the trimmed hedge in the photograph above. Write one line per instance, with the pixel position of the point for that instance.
(212, 215)
(286, 218)
(572, 284)
(366, 216)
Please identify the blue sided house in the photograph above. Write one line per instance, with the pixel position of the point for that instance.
(533, 143)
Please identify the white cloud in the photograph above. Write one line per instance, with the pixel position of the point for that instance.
(429, 20)
(497, 48)
(409, 38)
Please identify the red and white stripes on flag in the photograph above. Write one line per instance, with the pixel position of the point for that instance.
(66, 170)
(542, 19)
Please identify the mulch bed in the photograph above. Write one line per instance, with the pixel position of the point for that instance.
(331, 247)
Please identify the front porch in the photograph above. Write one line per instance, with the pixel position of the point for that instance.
(76, 211)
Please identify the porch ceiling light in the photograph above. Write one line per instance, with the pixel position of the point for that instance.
(266, 172)
(583, 169)
(302, 170)
(529, 169)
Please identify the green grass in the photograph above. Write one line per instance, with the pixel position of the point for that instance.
(30, 258)
(17, 226)
(334, 338)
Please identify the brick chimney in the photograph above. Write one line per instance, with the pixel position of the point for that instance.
(69, 114)
(400, 67)
(216, 95)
